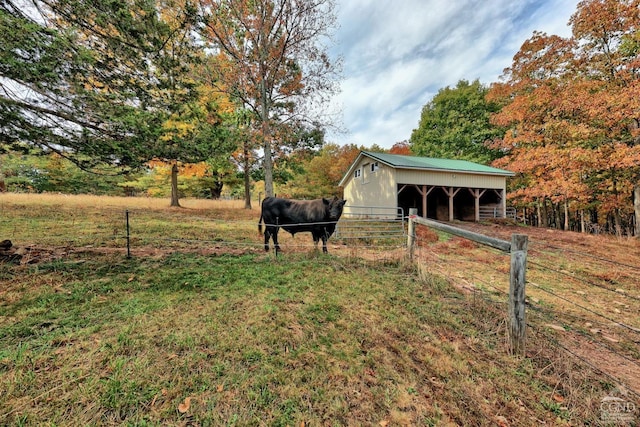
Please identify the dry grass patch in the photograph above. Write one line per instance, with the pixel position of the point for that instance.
(86, 201)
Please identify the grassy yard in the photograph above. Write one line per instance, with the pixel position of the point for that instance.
(186, 334)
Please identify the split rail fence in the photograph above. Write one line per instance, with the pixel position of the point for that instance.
(517, 247)
(604, 341)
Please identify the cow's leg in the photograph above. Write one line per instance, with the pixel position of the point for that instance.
(325, 236)
(274, 236)
(267, 236)
(316, 239)
(271, 232)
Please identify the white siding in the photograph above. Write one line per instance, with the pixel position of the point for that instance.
(371, 189)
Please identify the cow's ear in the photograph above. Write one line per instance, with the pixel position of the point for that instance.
(344, 202)
(326, 201)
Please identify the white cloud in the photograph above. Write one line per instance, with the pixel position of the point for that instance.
(397, 55)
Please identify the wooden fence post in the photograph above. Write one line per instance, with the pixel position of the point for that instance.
(517, 319)
(128, 234)
(411, 238)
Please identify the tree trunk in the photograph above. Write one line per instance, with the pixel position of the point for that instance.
(617, 222)
(566, 215)
(266, 143)
(540, 221)
(549, 212)
(247, 178)
(174, 185)
(216, 189)
(636, 209)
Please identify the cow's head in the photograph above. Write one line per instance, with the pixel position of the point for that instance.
(334, 207)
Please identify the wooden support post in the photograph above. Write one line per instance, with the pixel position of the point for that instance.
(411, 238)
(451, 192)
(477, 193)
(516, 327)
(126, 215)
(425, 193)
(502, 245)
(451, 195)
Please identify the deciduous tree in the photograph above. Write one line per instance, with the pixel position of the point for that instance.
(571, 108)
(276, 61)
(403, 147)
(319, 175)
(455, 124)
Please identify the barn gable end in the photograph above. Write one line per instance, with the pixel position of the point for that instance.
(441, 189)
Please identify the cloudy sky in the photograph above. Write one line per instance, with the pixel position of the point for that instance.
(399, 53)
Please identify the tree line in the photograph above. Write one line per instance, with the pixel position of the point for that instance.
(571, 109)
(230, 93)
(565, 117)
(112, 85)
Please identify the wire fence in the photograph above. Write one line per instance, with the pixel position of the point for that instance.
(583, 313)
(136, 231)
(589, 316)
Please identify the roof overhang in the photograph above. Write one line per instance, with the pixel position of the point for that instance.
(372, 156)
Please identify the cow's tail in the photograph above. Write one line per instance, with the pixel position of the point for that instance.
(260, 223)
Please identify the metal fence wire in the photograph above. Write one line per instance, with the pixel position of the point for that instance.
(558, 306)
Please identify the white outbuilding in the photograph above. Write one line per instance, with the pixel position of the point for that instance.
(440, 189)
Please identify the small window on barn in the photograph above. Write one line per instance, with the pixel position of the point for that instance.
(374, 166)
(357, 173)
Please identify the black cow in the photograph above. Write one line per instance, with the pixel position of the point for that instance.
(319, 217)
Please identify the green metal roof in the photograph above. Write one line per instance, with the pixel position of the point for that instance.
(428, 163)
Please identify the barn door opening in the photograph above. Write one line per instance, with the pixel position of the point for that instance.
(409, 196)
(447, 203)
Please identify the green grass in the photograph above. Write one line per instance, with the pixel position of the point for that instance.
(251, 340)
(94, 338)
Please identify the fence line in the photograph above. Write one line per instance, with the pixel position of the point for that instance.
(492, 304)
(538, 310)
(517, 276)
(542, 289)
(257, 245)
(631, 328)
(588, 282)
(583, 360)
(632, 362)
(474, 277)
(502, 245)
(599, 258)
(120, 212)
(552, 316)
(634, 329)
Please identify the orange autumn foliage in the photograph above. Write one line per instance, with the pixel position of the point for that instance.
(571, 107)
